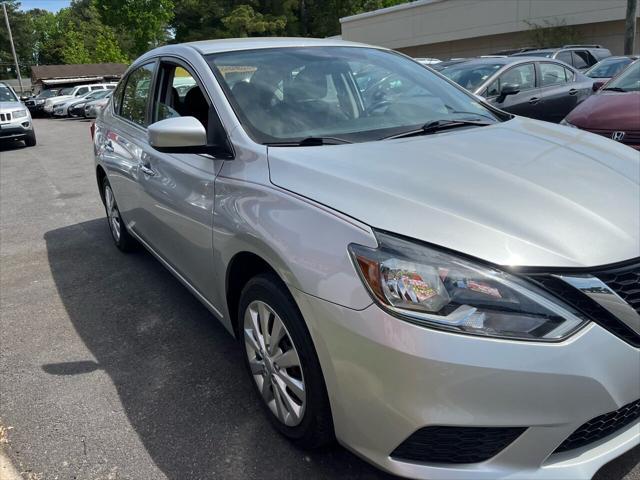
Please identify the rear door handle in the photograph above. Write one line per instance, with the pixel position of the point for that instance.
(573, 91)
(533, 100)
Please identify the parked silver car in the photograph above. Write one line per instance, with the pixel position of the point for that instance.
(449, 290)
(15, 118)
(91, 109)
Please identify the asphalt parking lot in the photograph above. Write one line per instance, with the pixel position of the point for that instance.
(109, 368)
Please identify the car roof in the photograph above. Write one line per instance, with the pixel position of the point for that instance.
(206, 47)
(504, 60)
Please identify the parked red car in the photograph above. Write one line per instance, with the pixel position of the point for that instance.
(614, 111)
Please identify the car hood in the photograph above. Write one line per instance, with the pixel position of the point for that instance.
(522, 192)
(608, 111)
(10, 106)
(58, 99)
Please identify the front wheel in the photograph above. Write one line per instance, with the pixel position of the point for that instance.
(281, 360)
(121, 237)
(30, 139)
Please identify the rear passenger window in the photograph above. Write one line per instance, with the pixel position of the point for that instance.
(96, 88)
(564, 57)
(136, 95)
(581, 59)
(552, 74)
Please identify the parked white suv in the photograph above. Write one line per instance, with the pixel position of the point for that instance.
(15, 119)
(77, 91)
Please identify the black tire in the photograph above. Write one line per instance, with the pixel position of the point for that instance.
(124, 241)
(315, 430)
(30, 139)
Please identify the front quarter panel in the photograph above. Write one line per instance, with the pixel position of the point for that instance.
(304, 242)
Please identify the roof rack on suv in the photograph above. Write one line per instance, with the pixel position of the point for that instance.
(582, 46)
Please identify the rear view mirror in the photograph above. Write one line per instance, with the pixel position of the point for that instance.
(597, 85)
(178, 135)
(508, 89)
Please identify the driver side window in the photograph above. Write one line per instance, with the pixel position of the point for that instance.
(179, 95)
(523, 75)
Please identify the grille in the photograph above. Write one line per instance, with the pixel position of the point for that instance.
(589, 307)
(601, 427)
(630, 138)
(456, 444)
(626, 283)
(5, 117)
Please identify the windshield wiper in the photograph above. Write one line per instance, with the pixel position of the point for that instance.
(436, 126)
(310, 142)
(615, 89)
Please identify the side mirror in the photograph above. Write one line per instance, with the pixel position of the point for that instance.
(178, 135)
(508, 89)
(597, 85)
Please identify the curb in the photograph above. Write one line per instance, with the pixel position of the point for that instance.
(7, 470)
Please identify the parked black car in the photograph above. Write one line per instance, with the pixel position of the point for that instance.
(534, 87)
(580, 57)
(35, 104)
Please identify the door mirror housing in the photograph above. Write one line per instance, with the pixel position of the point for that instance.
(597, 85)
(508, 89)
(177, 133)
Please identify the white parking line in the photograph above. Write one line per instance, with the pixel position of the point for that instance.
(7, 470)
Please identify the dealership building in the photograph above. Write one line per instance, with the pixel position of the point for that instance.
(464, 28)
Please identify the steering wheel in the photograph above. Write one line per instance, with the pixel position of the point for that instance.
(378, 105)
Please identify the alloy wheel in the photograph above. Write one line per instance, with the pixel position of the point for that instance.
(113, 215)
(275, 363)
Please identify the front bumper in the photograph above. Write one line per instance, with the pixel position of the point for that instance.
(15, 130)
(35, 108)
(387, 378)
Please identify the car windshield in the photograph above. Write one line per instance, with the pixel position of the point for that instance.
(628, 80)
(354, 93)
(6, 95)
(47, 93)
(471, 75)
(96, 94)
(608, 68)
(99, 94)
(66, 91)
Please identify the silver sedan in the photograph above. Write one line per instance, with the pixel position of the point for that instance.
(448, 290)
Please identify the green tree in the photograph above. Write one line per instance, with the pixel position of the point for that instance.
(144, 22)
(244, 21)
(551, 33)
(22, 39)
(75, 35)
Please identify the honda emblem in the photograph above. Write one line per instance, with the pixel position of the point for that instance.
(617, 136)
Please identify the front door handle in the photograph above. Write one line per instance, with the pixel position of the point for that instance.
(573, 91)
(533, 100)
(147, 170)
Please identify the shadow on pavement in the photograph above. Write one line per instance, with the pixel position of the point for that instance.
(178, 373)
(8, 145)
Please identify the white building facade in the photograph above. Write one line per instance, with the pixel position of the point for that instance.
(463, 28)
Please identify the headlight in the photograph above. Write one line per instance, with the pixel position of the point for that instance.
(567, 124)
(40, 101)
(441, 290)
(19, 114)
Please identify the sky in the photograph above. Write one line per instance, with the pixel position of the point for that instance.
(52, 5)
